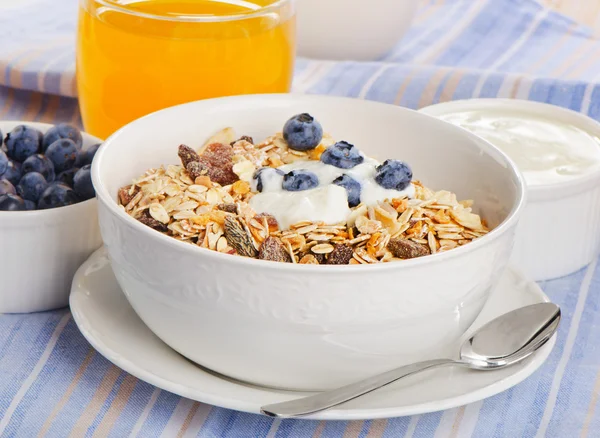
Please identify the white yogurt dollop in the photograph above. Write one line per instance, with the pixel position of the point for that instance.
(327, 203)
(546, 151)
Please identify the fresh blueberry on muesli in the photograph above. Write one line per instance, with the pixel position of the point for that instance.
(352, 187)
(302, 132)
(393, 174)
(265, 172)
(298, 180)
(343, 155)
(299, 197)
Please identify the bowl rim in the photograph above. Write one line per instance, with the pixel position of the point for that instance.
(50, 212)
(105, 198)
(555, 113)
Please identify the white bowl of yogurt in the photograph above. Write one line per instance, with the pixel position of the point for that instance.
(302, 326)
(558, 152)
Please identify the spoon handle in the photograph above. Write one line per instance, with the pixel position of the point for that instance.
(325, 400)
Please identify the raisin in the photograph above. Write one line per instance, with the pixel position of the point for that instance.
(228, 208)
(243, 138)
(217, 158)
(272, 249)
(341, 255)
(407, 249)
(196, 169)
(148, 220)
(187, 155)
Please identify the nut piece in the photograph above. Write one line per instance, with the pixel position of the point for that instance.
(238, 238)
(187, 155)
(124, 196)
(217, 158)
(272, 249)
(407, 249)
(340, 255)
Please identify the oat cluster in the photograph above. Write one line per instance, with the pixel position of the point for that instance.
(204, 201)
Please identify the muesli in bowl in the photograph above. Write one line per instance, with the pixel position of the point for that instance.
(301, 197)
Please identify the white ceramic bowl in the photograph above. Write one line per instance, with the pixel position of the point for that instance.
(42, 249)
(351, 29)
(559, 230)
(302, 326)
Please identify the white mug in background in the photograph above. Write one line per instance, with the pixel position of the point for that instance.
(351, 29)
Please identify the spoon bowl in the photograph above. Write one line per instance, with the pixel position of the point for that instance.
(511, 337)
(502, 342)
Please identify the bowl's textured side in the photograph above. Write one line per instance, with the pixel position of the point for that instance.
(308, 327)
(282, 328)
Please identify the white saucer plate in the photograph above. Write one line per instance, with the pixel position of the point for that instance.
(108, 322)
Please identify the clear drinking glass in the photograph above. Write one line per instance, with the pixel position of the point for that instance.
(138, 56)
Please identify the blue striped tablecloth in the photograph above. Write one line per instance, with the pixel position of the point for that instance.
(52, 383)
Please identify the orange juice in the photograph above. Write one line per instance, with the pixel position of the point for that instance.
(136, 57)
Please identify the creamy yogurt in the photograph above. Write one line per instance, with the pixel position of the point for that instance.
(328, 202)
(545, 151)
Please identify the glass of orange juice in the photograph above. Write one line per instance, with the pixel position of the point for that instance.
(138, 56)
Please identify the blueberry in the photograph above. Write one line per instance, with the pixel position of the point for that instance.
(88, 155)
(13, 173)
(342, 155)
(57, 195)
(298, 180)
(393, 174)
(31, 186)
(66, 176)
(352, 187)
(63, 153)
(259, 174)
(30, 205)
(82, 183)
(302, 132)
(3, 160)
(41, 164)
(6, 187)
(62, 130)
(23, 142)
(10, 202)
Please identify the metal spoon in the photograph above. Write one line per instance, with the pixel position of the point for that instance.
(501, 342)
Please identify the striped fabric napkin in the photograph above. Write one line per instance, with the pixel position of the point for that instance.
(52, 383)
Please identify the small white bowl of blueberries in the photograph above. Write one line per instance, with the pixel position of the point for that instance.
(48, 213)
